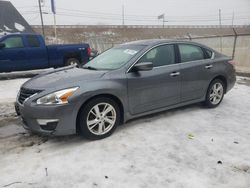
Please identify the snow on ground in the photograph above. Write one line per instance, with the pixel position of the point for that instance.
(189, 147)
(9, 89)
(22, 74)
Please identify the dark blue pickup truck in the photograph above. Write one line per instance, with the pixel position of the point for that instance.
(28, 51)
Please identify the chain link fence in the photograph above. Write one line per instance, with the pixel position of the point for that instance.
(232, 41)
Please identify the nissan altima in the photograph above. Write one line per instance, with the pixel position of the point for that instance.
(130, 80)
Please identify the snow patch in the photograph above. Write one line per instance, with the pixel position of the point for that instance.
(153, 151)
(7, 28)
(9, 89)
(19, 27)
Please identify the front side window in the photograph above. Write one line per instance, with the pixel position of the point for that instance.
(114, 58)
(160, 56)
(190, 52)
(33, 41)
(13, 42)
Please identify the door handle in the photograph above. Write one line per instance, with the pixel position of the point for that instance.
(208, 66)
(173, 74)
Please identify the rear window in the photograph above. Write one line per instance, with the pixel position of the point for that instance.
(209, 53)
(190, 52)
(33, 41)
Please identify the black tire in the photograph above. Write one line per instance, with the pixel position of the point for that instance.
(72, 61)
(209, 102)
(85, 111)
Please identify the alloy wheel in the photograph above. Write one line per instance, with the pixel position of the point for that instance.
(101, 118)
(216, 93)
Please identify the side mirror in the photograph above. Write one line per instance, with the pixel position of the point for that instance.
(2, 45)
(143, 66)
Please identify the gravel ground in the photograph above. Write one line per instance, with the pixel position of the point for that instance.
(189, 147)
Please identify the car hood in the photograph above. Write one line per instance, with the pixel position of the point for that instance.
(62, 77)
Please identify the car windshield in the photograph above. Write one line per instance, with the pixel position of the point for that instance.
(114, 58)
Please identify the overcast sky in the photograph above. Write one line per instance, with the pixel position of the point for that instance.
(137, 12)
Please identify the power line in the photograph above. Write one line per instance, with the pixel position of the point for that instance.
(135, 19)
(145, 16)
(138, 18)
(151, 17)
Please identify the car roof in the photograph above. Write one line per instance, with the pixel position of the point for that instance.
(153, 42)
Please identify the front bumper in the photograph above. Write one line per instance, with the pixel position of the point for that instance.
(48, 120)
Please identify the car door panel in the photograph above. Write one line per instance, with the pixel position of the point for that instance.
(13, 58)
(149, 90)
(195, 72)
(37, 56)
(194, 79)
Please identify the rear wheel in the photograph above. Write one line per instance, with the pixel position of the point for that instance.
(215, 93)
(99, 118)
(72, 61)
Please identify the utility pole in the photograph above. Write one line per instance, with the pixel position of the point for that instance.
(220, 17)
(55, 26)
(123, 22)
(53, 9)
(163, 21)
(41, 15)
(233, 20)
(220, 30)
(162, 16)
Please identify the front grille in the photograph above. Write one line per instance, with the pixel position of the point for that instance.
(26, 93)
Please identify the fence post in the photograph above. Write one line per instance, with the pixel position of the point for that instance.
(235, 41)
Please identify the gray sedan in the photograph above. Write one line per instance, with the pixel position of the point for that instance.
(130, 80)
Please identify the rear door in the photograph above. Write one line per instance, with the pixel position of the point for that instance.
(157, 88)
(13, 55)
(36, 52)
(196, 71)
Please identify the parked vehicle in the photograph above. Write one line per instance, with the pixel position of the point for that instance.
(20, 52)
(127, 81)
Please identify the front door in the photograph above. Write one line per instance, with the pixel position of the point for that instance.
(13, 55)
(156, 88)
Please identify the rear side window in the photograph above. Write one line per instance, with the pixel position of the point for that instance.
(160, 56)
(13, 42)
(209, 53)
(33, 41)
(190, 52)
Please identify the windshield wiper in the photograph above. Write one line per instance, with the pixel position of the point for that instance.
(89, 67)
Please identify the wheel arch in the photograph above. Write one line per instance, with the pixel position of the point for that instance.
(70, 55)
(110, 96)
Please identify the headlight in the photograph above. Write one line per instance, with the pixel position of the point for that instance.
(58, 97)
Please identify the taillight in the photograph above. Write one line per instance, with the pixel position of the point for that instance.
(232, 62)
(89, 51)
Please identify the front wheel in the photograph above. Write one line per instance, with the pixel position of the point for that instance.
(99, 118)
(215, 93)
